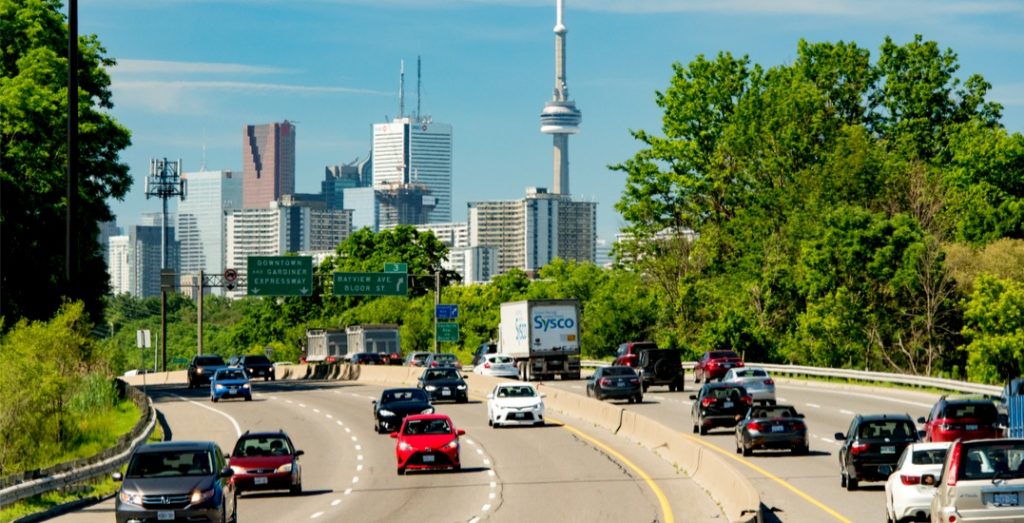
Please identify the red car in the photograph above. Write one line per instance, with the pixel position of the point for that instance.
(427, 441)
(714, 364)
(265, 461)
(628, 353)
(967, 418)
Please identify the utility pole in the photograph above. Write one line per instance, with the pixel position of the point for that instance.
(164, 182)
(71, 240)
(437, 301)
(199, 335)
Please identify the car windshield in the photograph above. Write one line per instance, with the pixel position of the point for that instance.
(718, 354)
(170, 463)
(403, 395)
(210, 360)
(427, 426)
(886, 429)
(774, 412)
(985, 412)
(442, 374)
(230, 374)
(419, 357)
(992, 460)
(262, 446)
(618, 371)
(929, 457)
(516, 391)
(256, 359)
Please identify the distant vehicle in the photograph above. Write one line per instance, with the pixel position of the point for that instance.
(395, 404)
(497, 365)
(176, 481)
(982, 480)
(416, 359)
(427, 441)
(483, 350)
(714, 364)
(366, 358)
(444, 383)
(719, 405)
(772, 427)
(266, 461)
(257, 366)
(757, 381)
(629, 353)
(906, 495)
(230, 382)
(382, 339)
(515, 404)
(660, 367)
(201, 368)
(961, 418)
(872, 447)
(326, 345)
(136, 372)
(438, 359)
(615, 382)
(392, 358)
(543, 336)
(233, 360)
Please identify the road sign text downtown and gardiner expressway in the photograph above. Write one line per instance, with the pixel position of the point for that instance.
(371, 284)
(280, 276)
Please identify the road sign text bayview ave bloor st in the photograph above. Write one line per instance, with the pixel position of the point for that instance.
(371, 284)
(280, 276)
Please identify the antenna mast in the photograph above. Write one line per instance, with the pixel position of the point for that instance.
(419, 117)
(401, 91)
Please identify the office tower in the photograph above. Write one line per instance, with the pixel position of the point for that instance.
(135, 261)
(202, 220)
(119, 264)
(107, 230)
(560, 116)
(404, 204)
(268, 163)
(337, 178)
(365, 208)
(419, 152)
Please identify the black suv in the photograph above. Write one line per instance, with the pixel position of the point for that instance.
(719, 405)
(661, 367)
(202, 368)
(872, 446)
(176, 480)
(257, 366)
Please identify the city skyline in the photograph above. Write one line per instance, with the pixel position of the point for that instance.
(326, 67)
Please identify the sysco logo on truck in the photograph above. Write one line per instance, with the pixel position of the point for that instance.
(521, 331)
(544, 324)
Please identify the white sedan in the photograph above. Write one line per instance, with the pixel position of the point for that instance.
(497, 365)
(756, 380)
(515, 403)
(906, 496)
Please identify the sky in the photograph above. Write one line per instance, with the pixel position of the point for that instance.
(192, 73)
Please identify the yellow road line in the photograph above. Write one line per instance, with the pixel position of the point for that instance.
(666, 509)
(807, 497)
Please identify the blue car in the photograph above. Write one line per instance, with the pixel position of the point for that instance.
(230, 383)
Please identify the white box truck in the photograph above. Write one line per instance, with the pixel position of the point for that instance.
(380, 339)
(543, 336)
(326, 345)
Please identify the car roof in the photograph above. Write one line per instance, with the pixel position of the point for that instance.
(165, 446)
(722, 385)
(427, 417)
(930, 445)
(400, 389)
(264, 433)
(881, 417)
(516, 384)
(966, 401)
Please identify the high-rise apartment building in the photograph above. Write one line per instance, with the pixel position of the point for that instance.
(119, 264)
(454, 234)
(268, 163)
(202, 220)
(475, 264)
(135, 260)
(500, 224)
(416, 151)
(107, 230)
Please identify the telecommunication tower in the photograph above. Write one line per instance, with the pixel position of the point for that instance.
(560, 116)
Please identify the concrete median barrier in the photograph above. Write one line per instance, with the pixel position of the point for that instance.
(600, 413)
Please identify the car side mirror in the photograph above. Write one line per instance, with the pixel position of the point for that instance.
(394, 435)
(693, 396)
(921, 420)
(921, 434)
(929, 479)
(460, 432)
(839, 436)
(374, 402)
(299, 453)
(117, 476)
(227, 472)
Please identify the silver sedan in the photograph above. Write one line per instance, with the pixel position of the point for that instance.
(756, 380)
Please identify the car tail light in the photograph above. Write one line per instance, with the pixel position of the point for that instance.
(605, 382)
(857, 448)
(954, 465)
(739, 363)
(910, 480)
(753, 425)
(749, 400)
(433, 364)
(769, 382)
(487, 364)
(707, 402)
(634, 381)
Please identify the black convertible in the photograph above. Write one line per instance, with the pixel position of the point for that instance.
(395, 404)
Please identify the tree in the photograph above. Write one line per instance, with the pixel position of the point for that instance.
(994, 324)
(33, 156)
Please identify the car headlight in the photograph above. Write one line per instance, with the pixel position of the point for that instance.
(200, 495)
(430, 388)
(403, 446)
(454, 444)
(428, 410)
(250, 370)
(245, 385)
(287, 467)
(538, 406)
(385, 412)
(132, 498)
(199, 371)
(219, 386)
(461, 387)
(237, 469)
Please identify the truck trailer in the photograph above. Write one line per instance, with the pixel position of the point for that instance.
(326, 345)
(543, 336)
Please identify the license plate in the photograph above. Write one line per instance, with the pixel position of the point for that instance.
(727, 366)
(621, 383)
(778, 428)
(727, 404)
(972, 427)
(427, 458)
(260, 481)
(165, 515)
(888, 449)
(446, 392)
(1007, 499)
(233, 389)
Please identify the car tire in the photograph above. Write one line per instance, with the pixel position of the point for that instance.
(645, 387)
(401, 471)
(747, 451)
(851, 484)
(213, 399)
(639, 398)
(842, 480)
(695, 428)
(295, 489)
(703, 430)
(801, 450)
(234, 510)
(696, 377)
(496, 425)
(597, 395)
(457, 468)
(248, 398)
(588, 392)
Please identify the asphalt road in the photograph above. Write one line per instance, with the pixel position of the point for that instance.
(563, 471)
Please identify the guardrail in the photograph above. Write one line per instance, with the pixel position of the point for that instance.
(27, 484)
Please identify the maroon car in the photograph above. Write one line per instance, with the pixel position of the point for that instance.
(266, 461)
(628, 353)
(714, 364)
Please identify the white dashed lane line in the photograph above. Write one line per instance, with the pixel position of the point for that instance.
(847, 412)
(813, 405)
(316, 515)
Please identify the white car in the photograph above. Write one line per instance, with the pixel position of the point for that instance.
(515, 403)
(756, 380)
(906, 496)
(497, 365)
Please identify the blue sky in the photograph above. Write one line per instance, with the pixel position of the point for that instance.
(191, 73)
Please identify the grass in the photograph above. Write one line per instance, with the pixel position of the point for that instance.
(99, 487)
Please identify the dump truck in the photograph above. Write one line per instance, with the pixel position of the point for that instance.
(543, 336)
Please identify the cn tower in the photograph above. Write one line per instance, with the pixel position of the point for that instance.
(560, 116)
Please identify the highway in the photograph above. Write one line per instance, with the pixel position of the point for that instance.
(564, 471)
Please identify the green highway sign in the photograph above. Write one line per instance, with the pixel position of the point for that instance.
(371, 284)
(447, 331)
(396, 267)
(280, 276)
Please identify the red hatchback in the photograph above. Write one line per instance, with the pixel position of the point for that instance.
(628, 353)
(266, 461)
(714, 364)
(961, 418)
(427, 441)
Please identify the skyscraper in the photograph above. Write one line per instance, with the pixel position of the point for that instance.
(416, 151)
(560, 116)
(202, 219)
(135, 261)
(268, 163)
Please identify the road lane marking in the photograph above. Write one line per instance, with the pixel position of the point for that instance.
(316, 515)
(303, 405)
(335, 503)
(338, 422)
(769, 475)
(348, 430)
(666, 508)
(486, 507)
(355, 438)
(359, 447)
(813, 405)
(487, 461)
(359, 468)
(348, 491)
(238, 430)
(359, 457)
(847, 412)
(355, 479)
(316, 411)
(329, 416)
